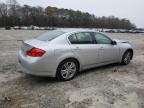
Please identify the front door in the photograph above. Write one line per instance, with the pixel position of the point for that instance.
(107, 51)
(82, 44)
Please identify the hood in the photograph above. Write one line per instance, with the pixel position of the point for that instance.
(121, 41)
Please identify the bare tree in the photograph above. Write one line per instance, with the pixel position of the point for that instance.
(12, 6)
(3, 9)
(12, 14)
(3, 14)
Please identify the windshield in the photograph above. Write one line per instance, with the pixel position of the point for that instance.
(48, 36)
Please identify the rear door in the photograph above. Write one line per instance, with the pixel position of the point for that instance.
(83, 46)
(107, 51)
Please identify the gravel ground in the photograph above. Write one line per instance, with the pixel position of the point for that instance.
(112, 86)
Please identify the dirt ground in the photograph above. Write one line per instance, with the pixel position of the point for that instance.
(112, 86)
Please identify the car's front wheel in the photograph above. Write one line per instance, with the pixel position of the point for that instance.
(126, 58)
(67, 70)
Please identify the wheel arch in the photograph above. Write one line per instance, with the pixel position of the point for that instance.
(78, 62)
(131, 50)
(58, 76)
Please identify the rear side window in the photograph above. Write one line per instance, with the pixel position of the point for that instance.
(81, 38)
(73, 39)
(48, 36)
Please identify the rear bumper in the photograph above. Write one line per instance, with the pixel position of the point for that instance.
(34, 66)
(35, 73)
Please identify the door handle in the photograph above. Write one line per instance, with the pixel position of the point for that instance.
(101, 48)
(77, 48)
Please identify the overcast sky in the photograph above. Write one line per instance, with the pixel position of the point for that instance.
(131, 9)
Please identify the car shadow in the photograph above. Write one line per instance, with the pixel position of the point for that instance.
(49, 80)
(101, 68)
(40, 79)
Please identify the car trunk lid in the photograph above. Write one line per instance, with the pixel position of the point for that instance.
(33, 43)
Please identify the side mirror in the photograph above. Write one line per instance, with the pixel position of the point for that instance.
(114, 42)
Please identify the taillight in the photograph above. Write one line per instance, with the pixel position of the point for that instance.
(35, 52)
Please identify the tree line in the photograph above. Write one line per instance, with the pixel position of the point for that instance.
(12, 14)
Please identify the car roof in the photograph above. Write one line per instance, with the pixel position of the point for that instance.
(76, 30)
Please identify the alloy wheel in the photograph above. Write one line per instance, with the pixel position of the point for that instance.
(68, 70)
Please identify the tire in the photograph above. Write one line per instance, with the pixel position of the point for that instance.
(67, 70)
(126, 58)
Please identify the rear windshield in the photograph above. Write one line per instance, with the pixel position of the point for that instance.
(48, 36)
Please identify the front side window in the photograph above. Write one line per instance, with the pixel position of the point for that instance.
(102, 39)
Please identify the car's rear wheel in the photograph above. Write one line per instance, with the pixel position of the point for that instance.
(67, 70)
(126, 58)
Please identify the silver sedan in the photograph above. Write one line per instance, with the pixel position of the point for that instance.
(63, 53)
